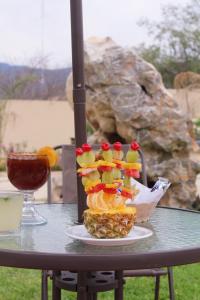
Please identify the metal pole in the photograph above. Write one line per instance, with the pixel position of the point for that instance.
(78, 89)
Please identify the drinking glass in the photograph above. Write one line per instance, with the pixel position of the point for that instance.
(28, 172)
(11, 203)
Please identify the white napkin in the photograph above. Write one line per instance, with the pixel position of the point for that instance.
(148, 195)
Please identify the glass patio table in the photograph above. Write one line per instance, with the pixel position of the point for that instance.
(175, 241)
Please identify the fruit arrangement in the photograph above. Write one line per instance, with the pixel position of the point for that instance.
(107, 215)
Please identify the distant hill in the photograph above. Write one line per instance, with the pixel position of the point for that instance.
(23, 82)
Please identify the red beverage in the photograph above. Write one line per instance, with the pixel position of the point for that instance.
(27, 171)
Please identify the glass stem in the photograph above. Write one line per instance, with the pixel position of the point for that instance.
(28, 199)
(30, 215)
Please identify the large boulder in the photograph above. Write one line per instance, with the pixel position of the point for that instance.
(126, 100)
(187, 80)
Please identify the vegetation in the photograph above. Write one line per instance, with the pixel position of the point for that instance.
(35, 81)
(18, 284)
(89, 129)
(3, 118)
(196, 126)
(17, 86)
(176, 46)
(19, 147)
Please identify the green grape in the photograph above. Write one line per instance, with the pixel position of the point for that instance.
(84, 180)
(88, 157)
(127, 182)
(107, 155)
(132, 156)
(94, 175)
(116, 173)
(118, 154)
(107, 177)
(79, 160)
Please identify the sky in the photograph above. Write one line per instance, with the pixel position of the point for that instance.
(31, 29)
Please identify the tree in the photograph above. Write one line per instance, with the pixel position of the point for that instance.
(11, 89)
(176, 38)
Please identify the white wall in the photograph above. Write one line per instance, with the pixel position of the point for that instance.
(189, 101)
(38, 123)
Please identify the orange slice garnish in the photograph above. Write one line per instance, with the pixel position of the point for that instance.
(50, 153)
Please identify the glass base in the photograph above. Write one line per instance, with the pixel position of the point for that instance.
(30, 216)
(10, 233)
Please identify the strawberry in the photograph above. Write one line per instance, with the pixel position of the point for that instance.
(135, 146)
(86, 147)
(105, 146)
(117, 146)
(126, 194)
(79, 151)
(105, 168)
(132, 173)
(110, 190)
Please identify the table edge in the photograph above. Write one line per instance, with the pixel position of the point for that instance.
(54, 261)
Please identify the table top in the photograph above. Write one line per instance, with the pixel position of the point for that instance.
(175, 241)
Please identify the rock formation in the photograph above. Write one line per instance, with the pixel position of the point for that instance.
(126, 100)
(188, 80)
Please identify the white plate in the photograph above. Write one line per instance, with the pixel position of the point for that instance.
(79, 232)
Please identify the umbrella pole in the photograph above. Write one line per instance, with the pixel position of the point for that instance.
(78, 90)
